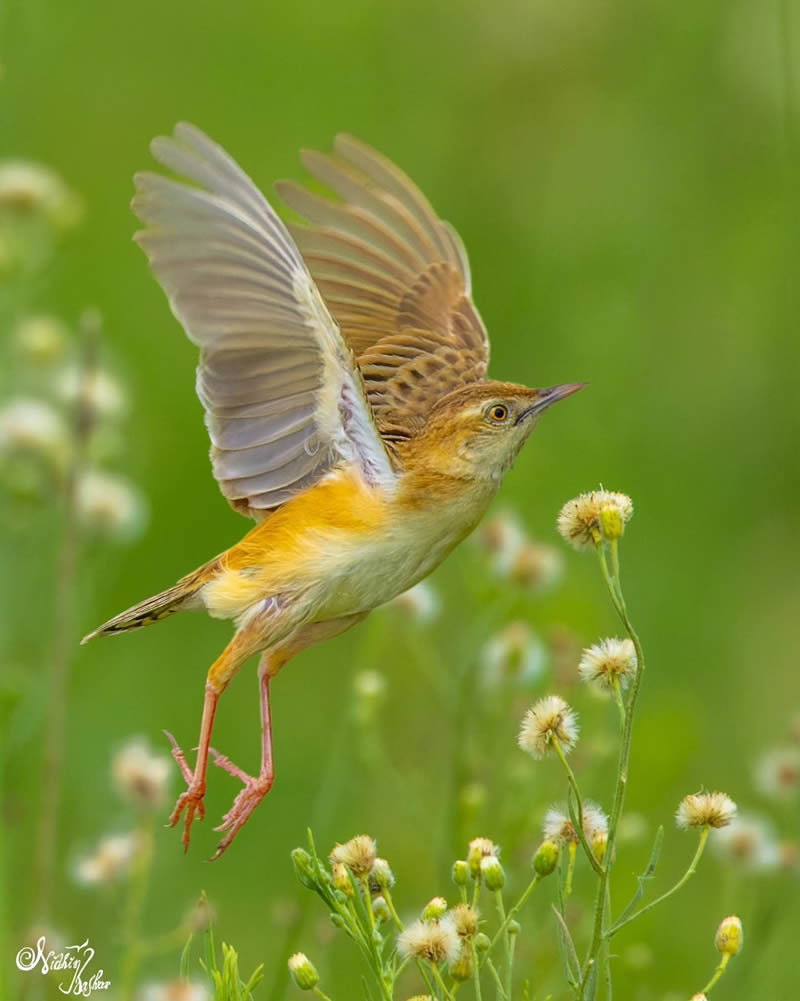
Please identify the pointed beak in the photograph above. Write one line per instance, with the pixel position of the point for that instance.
(549, 396)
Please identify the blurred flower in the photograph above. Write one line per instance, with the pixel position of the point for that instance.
(41, 339)
(537, 567)
(749, 841)
(140, 775)
(502, 536)
(608, 661)
(112, 858)
(94, 389)
(200, 915)
(436, 941)
(778, 773)
(28, 189)
(465, 921)
(110, 505)
(705, 809)
(358, 854)
(514, 654)
(550, 719)
(421, 602)
(728, 939)
(31, 425)
(175, 990)
(581, 521)
(477, 851)
(461, 968)
(303, 971)
(515, 555)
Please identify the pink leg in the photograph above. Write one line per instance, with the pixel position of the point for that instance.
(192, 799)
(255, 789)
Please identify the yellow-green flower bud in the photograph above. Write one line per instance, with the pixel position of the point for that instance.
(513, 927)
(461, 969)
(599, 842)
(492, 873)
(729, 936)
(434, 909)
(460, 872)
(341, 878)
(381, 909)
(337, 920)
(546, 858)
(612, 524)
(304, 868)
(381, 874)
(303, 972)
(482, 942)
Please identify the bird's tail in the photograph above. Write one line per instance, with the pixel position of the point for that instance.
(159, 606)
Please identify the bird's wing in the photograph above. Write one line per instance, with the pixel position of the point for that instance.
(282, 392)
(395, 277)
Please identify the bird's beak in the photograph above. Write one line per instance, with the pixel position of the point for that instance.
(549, 396)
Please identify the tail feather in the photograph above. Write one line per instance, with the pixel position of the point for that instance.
(159, 606)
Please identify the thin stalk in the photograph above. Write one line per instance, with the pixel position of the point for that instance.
(574, 786)
(500, 989)
(387, 896)
(717, 973)
(137, 894)
(437, 976)
(619, 701)
(476, 974)
(321, 994)
(681, 882)
(498, 896)
(515, 910)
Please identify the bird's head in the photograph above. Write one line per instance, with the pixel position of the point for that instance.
(478, 431)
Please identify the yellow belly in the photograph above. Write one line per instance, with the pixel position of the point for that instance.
(340, 548)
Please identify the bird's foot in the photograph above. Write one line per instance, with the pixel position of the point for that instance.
(255, 789)
(192, 800)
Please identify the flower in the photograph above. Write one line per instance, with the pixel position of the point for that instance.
(778, 773)
(477, 851)
(465, 921)
(595, 827)
(558, 827)
(729, 936)
(41, 339)
(111, 859)
(514, 654)
(140, 775)
(749, 840)
(609, 661)
(358, 854)
(94, 389)
(705, 809)
(581, 521)
(31, 188)
(436, 941)
(513, 554)
(110, 505)
(31, 425)
(536, 566)
(381, 874)
(435, 909)
(303, 971)
(421, 602)
(550, 719)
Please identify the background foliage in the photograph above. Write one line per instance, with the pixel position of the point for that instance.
(625, 177)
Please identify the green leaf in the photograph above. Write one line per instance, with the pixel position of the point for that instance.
(186, 958)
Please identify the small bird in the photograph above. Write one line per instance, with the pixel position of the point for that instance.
(343, 375)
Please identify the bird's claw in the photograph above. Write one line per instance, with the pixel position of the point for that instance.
(191, 801)
(255, 789)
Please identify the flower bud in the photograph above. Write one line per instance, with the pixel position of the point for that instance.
(612, 524)
(729, 936)
(546, 858)
(492, 873)
(381, 874)
(479, 849)
(303, 972)
(434, 909)
(482, 942)
(461, 969)
(341, 879)
(304, 868)
(460, 872)
(380, 909)
(337, 920)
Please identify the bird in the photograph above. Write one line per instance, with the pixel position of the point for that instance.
(343, 375)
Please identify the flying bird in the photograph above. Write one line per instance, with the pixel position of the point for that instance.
(343, 376)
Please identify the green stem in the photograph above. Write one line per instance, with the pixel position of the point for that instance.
(498, 896)
(573, 849)
(137, 894)
(437, 976)
(615, 590)
(387, 896)
(321, 994)
(574, 786)
(515, 910)
(717, 973)
(500, 989)
(681, 882)
(476, 973)
(620, 703)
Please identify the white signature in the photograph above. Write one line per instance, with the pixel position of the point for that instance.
(74, 958)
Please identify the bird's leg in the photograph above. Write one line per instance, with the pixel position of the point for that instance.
(255, 789)
(220, 675)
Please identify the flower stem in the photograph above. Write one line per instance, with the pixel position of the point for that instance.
(574, 786)
(681, 882)
(437, 976)
(321, 994)
(717, 973)
(500, 989)
(515, 910)
(137, 893)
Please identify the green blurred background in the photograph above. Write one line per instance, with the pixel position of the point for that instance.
(624, 175)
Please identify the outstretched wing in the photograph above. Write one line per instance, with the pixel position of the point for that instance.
(283, 396)
(395, 277)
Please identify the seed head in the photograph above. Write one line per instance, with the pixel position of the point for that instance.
(536, 567)
(436, 941)
(358, 854)
(303, 971)
(435, 909)
(595, 828)
(514, 654)
(31, 189)
(110, 505)
(587, 519)
(111, 859)
(550, 719)
(42, 340)
(31, 425)
(477, 851)
(705, 809)
(778, 773)
(465, 921)
(140, 775)
(608, 661)
(558, 827)
(729, 936)
(97, 391)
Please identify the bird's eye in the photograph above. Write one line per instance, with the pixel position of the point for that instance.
(498, 412)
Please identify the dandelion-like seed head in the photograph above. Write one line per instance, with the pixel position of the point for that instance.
(435, 941)
(479, 849)
(514, 654)
(558, 827)
(607, 662)
(96, 390)
(550, 719)
(140, 775)
(111, 859)
(729, 937)
(29, 189)
(584, 521)
(595, 828)
(358, 854)
(465, 921)
(303, 971)
(778, 773)
(42, 340)
(110, 505)
(32, 425)
(705, 809)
